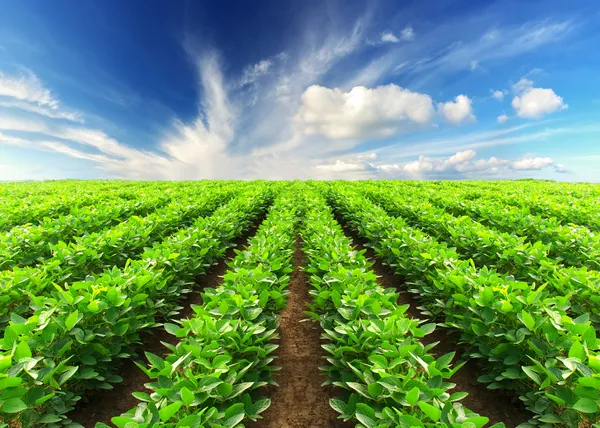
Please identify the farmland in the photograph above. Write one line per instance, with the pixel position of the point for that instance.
(297, 304)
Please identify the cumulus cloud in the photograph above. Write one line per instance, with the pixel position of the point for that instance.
(561, 169)
(457, 111)
(531, 102)
(389, 37)
(464, 163)
(531, 163)
(537, 102)
(499, 95)
(362, 113)
(502, 118)
(407, 34)
(461, 157)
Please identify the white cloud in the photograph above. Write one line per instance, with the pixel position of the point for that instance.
(27, 87)
(464, 163)
(462, 157)
(389, 37)
(536, 102)
(26, 92)
(560, 168)
(531, 163)
(253, 72)
(502, 119)
(367, 156)
(43, 111)
(362, 113)
(499, 95)
(457, 111)
(408, 33)
(523, 85)
(474, 64)
(434, 55)
(341, 166)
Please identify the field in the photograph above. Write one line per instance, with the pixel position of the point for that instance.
(299, 304)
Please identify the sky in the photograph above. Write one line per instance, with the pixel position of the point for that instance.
(300, 89)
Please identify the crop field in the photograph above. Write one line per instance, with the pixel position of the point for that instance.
(299, 304)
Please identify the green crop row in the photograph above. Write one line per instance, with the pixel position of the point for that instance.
(582, 211)
(505, 252)
(35, 210)
(24, 289)
(388, 376)
(11, 192)
(521, 335)
(577, 195)
(27, 245)
(571, 245)
(223, 353)
(78, 334)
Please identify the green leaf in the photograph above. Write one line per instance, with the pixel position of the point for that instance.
(121, 421)
(13, 405)
(338, 405)
(155, 360)
(528, 320)
(223, 308)
(10, 382)
(67, 374)
(22, 351)
(433, 412)
(412, 396)
(586, 405)
(225, 389)
(142, 396)
(72, 320)
(532, 374)
(49, 419)
(234, 415)
(577, 351)
(167, 413)
(376, 307)
(366, 415)
(187, 396)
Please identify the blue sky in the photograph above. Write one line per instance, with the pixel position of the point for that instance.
(299, 89)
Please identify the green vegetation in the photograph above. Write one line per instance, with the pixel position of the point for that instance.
(89, 271)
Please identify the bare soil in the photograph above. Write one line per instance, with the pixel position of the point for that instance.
(103, 405)
(299, 401)
(494, 404)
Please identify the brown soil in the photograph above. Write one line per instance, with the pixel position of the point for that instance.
(103, 405)
(299, 401)
(494, 404)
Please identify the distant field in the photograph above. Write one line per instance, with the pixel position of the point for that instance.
(181, 304)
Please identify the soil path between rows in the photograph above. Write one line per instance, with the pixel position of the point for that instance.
(101, 406)
(299, 401)
(497, 406)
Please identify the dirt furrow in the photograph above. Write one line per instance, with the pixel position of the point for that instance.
(299, 401)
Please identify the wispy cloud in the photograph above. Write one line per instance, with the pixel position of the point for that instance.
(26, 92)
(431, 56)
(284, 116)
